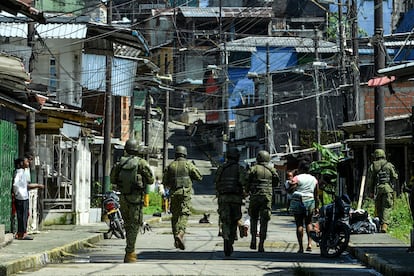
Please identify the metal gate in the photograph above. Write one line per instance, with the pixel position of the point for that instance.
(8, 152)
(56, 154)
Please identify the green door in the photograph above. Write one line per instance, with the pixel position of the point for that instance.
(8, 152)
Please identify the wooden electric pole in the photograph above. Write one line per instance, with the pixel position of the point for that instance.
(355, 49)
(270, 145)
(166, 119)
(147, 123)
(318, 125)
(379, 63)
(30, 145)
(108, 111)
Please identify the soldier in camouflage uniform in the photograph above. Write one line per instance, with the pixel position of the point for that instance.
(178, 177)
(381, 179)
(262, 177)
(131, 175)
(230, 181)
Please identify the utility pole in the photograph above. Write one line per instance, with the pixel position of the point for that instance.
(108, 111)
(147, 122)
(355, 51)
(30, 119)
(224, 87)
(269, 104)
(166, 119)
(317, 100)
(341, 44)
(379, 63)
(30, 145)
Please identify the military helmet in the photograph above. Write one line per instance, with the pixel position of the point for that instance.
(263, 156)
(142, 150)
(379, 153)
(131, 146)
(180, 151)
(233, 153)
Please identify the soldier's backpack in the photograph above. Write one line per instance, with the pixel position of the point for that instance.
(129, 180)
(383, 175)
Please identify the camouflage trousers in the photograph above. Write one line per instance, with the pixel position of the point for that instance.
(230, 214)
(260, 207)
(132, 215)
(383, 206)
(180, 209)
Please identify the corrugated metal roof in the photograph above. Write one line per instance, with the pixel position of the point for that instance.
(240, 48)
(399, 43)
(69, 31)
(230, 12)
(13, 30)
(401, 70)
(52, 30)
(302, 45)
(126, 51)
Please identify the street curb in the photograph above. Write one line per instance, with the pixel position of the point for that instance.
(50, 256)
(8, 238)
(379, 264)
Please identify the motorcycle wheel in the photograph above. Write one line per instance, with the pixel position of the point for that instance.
(332, 245)
(118, 228)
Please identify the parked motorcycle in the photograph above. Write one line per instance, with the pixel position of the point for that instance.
(331, 229)
(113, 215)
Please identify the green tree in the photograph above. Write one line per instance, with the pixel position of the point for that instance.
(332, 28)
(325, 169)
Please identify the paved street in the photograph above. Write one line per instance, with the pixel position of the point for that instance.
(204, 248)
(204, 253)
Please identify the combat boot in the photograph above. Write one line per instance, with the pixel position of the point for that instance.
(179, 240)
(261, 246)
(253, 243)
(228, 247)
(130, 257)
(384, 228)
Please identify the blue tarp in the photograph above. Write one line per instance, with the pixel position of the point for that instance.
(243, 89)
(235, 74)
(280, 58)
(407, 23)
(405, 26)
(240, 85)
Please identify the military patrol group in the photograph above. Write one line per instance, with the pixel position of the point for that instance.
(233, 183)
(132, 173)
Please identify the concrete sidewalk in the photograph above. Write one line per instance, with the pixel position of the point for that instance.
(47, 247)
(385, 254)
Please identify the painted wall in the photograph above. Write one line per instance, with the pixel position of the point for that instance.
(68, 6)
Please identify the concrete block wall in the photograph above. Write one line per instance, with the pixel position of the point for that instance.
(395, 104)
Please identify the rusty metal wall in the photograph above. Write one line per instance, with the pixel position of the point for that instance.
(8, 152)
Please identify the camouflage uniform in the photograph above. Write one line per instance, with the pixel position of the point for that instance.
(178, 177)
(383, 189)
(262, 177)
(230, 181)
(132, 195)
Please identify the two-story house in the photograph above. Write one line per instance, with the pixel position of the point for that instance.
(63, 59)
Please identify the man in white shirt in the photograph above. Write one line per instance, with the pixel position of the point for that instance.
(21, 186)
